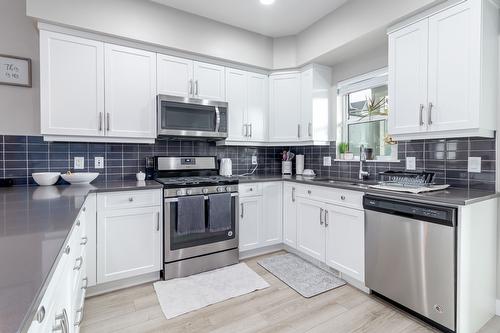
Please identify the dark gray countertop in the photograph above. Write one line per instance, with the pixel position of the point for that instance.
(34, 223)
(451, 196)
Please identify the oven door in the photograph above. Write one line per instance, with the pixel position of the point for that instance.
(190, 117)
(177, 247)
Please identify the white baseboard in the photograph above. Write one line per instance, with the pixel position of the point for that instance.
(498, 307)
(261, 251)
(107, 287)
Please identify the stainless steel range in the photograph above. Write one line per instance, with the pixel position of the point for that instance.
(200, 215)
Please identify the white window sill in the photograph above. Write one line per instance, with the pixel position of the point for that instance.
(368, 161)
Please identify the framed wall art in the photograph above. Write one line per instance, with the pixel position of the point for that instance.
(15, 71)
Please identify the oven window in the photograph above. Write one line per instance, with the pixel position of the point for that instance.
(178, 242)
(187, 117)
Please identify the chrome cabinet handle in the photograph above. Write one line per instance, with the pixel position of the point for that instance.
(421, 117)
(251, 129)
(131, 199)
(326, 218)
(158, 221)
(62, 326)
(84, 241)
(298, 131)
(78, 264)
(108, 121)
(79, 315)
(429, 116)
(245, 130)
(190, 87)
(321, 216)
(86, 285)
(84, 208)
(293, 194)
(100, 121)
(40, 314)
(217, 119)
(196, 87)
(342, 197)
(309, 129)
(78, 223)
(309, 191)
(67, 249)
(242, 210)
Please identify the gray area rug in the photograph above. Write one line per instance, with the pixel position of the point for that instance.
(302, 276)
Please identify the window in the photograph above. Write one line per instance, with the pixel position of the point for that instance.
(362, 116)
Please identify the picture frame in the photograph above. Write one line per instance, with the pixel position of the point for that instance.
(15, 71)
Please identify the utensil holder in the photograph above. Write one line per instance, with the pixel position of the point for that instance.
(286, 167)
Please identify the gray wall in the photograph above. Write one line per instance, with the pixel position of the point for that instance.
(19, 108)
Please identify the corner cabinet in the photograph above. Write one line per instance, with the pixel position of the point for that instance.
(284, 107)
(247, 95)
(94, 91)
(443, 73)
(191, 79)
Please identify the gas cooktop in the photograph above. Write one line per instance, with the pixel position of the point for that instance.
(196, 181)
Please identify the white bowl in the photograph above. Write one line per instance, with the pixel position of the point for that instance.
(46, 178)
(80, 177)
(308, 173)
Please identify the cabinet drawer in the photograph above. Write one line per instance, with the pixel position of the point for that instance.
(130, 199)
(341, 197)
(250, 190)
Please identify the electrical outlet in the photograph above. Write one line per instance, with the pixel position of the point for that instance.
(411, 163)
(254, 160)
(474, 164)
(79, 163)
(327, 161)
(98, 162)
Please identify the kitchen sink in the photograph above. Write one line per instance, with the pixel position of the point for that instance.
(344, 182)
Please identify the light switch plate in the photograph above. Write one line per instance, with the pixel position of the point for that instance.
(411, 163)
(79, 163)
(98, 162)
(474, 164)
(254, 160)
(327, 161)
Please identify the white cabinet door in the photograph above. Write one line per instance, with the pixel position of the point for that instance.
(408, 79)
(345, 241)
(306, 103)
(272, 227)
(290, 215)
(236, 88)
(130, 92)
(284, 112)
(454, 67)
(209, 81)
(257, 106)
(250, 220)
(174, 76)
(310, 228)
(128, 242)
(71, 85)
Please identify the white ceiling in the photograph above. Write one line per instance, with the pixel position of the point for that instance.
(283, 18)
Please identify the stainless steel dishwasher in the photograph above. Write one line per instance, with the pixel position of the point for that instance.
(410, 257)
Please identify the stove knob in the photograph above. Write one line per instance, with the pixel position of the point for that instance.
(220, 189)
(205, 190)
(228, 188)
(189, 192)
(179, 192)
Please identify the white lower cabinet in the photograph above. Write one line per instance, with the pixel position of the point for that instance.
(345, 240)
(310, 228)
(250, 221)
(260, 222)
(290, 215)
(129, 240)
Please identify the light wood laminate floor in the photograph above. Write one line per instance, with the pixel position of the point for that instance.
(275, 309)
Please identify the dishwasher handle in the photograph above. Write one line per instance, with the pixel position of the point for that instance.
(446, 216)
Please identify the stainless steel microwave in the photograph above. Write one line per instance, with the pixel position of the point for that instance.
(192, 117)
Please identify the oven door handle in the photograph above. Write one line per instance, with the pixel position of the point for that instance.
(170, 200)
(217, 119)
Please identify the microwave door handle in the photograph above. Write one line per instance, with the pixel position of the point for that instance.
(217, 119)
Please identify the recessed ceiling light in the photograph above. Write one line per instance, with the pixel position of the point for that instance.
(267, 2)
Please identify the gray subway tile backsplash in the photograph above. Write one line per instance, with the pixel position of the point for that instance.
(22, 155)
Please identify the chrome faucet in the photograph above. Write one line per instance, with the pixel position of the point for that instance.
(362, 157)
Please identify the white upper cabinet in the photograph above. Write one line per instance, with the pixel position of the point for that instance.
(174, 76)
(187, 78)
(284, 112)
(408, 79)
(246, 94)
(315, 84)
(209, 81)
(72, 85)
(130, 92)
(442, 73)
